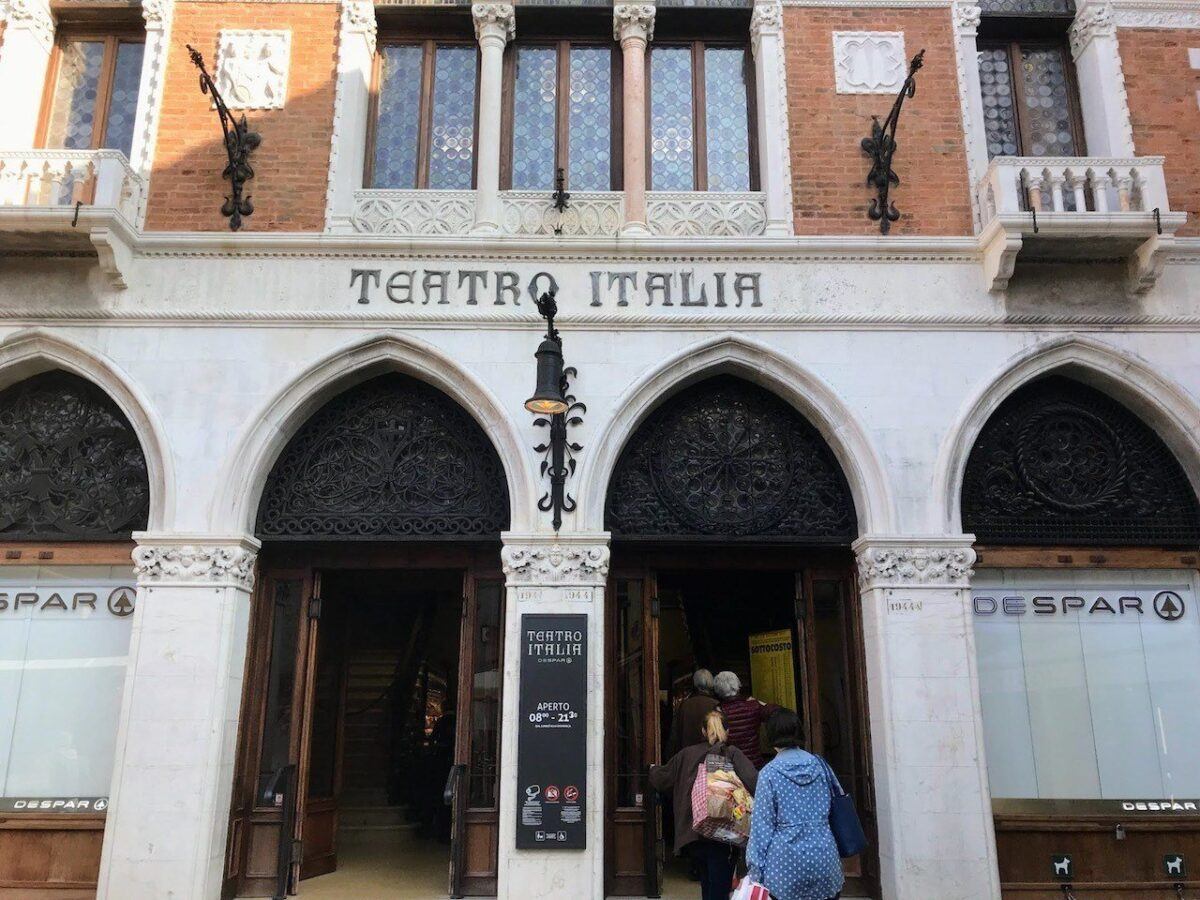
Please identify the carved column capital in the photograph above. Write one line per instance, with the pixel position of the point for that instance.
(494, 21)
(1092, 20)
(908, 562)
(967, 15)
(767, 19)
(555, 562)
(358, 17)
(157, 13)
(29, 15)
(633, 22)
(195, 559)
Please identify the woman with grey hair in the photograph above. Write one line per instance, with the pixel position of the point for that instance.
(688, 725)
(742, 716)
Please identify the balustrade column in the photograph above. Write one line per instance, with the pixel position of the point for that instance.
(24, 59)
(936, 837)
(495, 26)
(633, 26)
(168, 815)
(774, 170)
(553, 574)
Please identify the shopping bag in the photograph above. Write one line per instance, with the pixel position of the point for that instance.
(749, 890)
(847, 830)
(721, 805)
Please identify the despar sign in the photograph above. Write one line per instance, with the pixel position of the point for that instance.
(53, 804)
(1164, 604)
(552, 733)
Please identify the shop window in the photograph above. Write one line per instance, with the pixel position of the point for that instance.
(64, 637)
(1088, 687)
(93, 92)
(1060, 463)
(700, 115)
(1030, 103)
(424, 116)
(561, 115)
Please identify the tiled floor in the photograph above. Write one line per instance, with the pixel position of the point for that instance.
(383, 865)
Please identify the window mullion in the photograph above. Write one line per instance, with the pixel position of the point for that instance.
(562, 111)
(425, 131)
(104, 91)
(699, 119)
(1016, 67)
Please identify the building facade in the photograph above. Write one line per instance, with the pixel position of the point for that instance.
(283, 545)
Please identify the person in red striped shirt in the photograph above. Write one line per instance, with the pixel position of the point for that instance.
(743, 716)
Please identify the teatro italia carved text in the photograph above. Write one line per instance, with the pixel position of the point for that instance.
(601, 287)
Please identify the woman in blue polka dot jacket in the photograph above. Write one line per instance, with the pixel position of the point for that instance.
(792, 851)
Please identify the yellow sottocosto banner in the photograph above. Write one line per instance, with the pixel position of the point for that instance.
(772, 672)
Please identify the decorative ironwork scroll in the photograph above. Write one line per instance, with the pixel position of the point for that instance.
(71, 466)
(392, 458)
(1060, 463)
(240, 142)
(881, 147)
(727, 459)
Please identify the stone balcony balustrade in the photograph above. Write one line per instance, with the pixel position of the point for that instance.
(68, 200)
(1076, 208)
(593, 214)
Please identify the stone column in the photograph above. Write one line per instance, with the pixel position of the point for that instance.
(774, 167)
(351, 105)
(633, 26)
(548, 574)
(1102, 97)
(24, 58)
(966, 26)
(168, 815)
(157, 15)
(931, 792)
(494, 27)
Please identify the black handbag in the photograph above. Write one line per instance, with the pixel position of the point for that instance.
(847, 830)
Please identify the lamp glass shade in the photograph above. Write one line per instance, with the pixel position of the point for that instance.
(547, 395)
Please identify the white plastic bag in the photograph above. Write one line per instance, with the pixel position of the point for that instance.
(749, 890)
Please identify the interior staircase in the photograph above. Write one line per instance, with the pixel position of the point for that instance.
(366, 757)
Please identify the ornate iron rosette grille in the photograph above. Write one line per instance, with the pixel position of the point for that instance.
(1061, 463)
(71, 467)
(726, 458)
(390, 458)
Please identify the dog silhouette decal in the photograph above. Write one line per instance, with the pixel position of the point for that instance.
(1174, 864)
(1062, 866)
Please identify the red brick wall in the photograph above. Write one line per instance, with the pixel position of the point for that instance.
(829, 168)
(1162, 90)
(291, 167)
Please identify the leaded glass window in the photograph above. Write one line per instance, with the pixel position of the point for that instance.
(691, 86)
(1026, 7)
(1029, 100)
(561, 116)
(424, 120)
(93, 101)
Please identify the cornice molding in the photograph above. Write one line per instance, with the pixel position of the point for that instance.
(195, 560)
(555, 564)
(1181, 14)
(908, 562)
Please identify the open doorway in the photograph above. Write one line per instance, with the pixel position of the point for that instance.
(384, 726)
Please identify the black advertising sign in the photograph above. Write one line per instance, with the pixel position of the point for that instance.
(552, 733)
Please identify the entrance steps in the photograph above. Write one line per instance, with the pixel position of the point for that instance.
(374, 818)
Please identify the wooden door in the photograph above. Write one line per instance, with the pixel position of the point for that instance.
(829, 656)
(474, 790)
(633, 840)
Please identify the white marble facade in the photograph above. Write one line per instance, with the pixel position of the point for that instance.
(894, 350)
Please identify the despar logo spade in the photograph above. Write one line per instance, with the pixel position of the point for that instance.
(121, 601)
(1169, 605)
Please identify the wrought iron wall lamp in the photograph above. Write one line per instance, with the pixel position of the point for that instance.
(240, 142)
(881, 146)
(558, 410)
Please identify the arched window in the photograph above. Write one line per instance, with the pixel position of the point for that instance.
(727, 459)
(71, 466)
(390, 458)
(1060, 463)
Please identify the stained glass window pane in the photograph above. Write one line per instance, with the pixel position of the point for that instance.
(1047, 105)
(1026, 7)
(398, 128)
(122, 101)
(73, 110)
(452, 140)
(589, 117)
(728, 132)
(535, 98)
(999, 111)
(672, 142)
